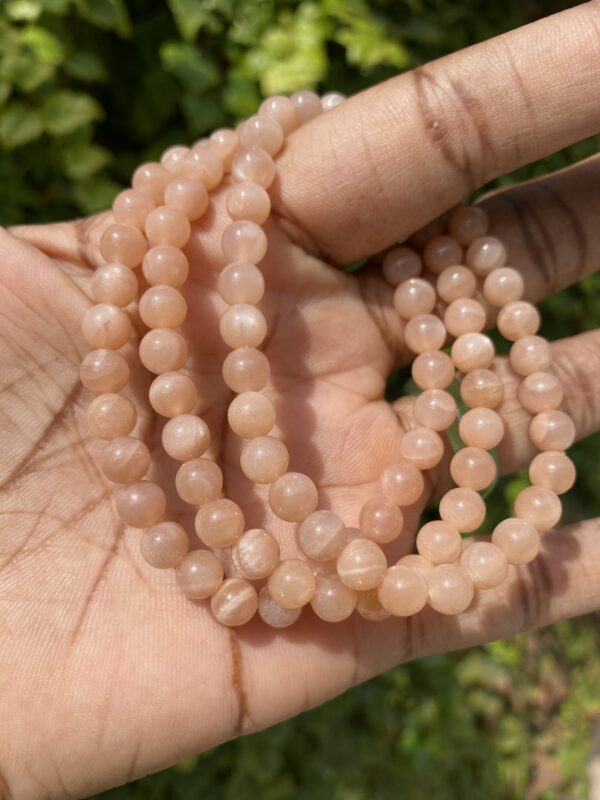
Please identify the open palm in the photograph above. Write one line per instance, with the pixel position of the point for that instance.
(106, 670)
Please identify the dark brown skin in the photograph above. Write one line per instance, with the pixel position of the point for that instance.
(106, 671)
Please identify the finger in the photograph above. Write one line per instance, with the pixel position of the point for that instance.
(385, 162)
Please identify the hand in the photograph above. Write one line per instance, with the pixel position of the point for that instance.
(106, 671)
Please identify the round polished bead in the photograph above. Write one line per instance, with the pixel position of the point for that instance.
(439, 542)
(165, 545)
(255, 554)
(481, 427)
(517, 539)
(435, 409)
(484, 254)
(241, 282)
(251, 414)
(518, 319)
(416, 561)
(403, 591)
(503, 286)
(244, 240)
(473, 468)
(282, 109)
(141, 504)
(530, 354)
(455, 283)
(264, 459)
(331, 100)
(381, 520)
(433, 370)
(485, 564)
(361, 565)
(172, 160)
(104, 371)
(204, 165)
(172, 393)
(219, 523)
(472, 351)
(400, 264)
(462, 508)
(163, 350)
(402, 483)
(185, 437)
(248, 201)
(123, 244)
(188, 196)
(422, 447)
(167, 225)
(369, 607)
(105, 326)
(274, 614)
(225, 143)
(424, 332)
(292, 583)
(481, 387)
(414, 296)
(166, 265)
(151, 179)
(243, 325)
(464, 315)
(162, 307)
(199, 481)
(450, 589)
(322, 535)
(467, 223)
(111, 415)
(115, 284)
(540, 391)
(262, 131)
(235, 602)
(253, 166)
(199, 574)
(293, 497)
(552, 470)
(125, 460)
(307, 105)
(333, 601)
(538, 506)
(441, 252)
(246, 370)
(552, 430)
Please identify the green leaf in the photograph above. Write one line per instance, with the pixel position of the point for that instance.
(192, 15)
(367, 45)
(111, 15)
(66, 111)
(5, 90)
(95, 194)
(196, 71)
(45, 46)
(84, 159)
(23, 10)
(19, 124)
(85, 65)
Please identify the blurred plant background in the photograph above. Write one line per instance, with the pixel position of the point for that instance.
(89, 89)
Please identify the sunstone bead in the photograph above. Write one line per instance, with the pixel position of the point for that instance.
(414, 296)
(485, 564)
(381, 520)
(464, 315)
(292, 583)
(293, 496)
(439, 542)
(472, 351)
(104, 371)
(246, 370)
(106, 326)
(433, 370)
(188, 196)
(400, 264)
(540, 391)
(517, 539)
(172, 394)
(530, 354)
(243, 325)
(165, 264)
(424, 332)
(199, 574)
(441, 252)
(235, 602)
(199, 481)
(333, 601)
(485, 254)
(251, 414)
(463, 508)
(538, 506)
(502, 286)
(518, 319)
(125, 460)
(403, 591)
(402, 483)
(361, 565)
(114, 284)
(552, 470)
(552, 430)
(274, 614)
(165, 545)
(141, 504)
(264, 459)
(241, 282)
(450, 589)
(481, 427)
(162, 307)
(123, 244)
(219, 523)
(422, 447)
(481, 388)
(255, 554)
(283, 110)
(163, 350)
(322, 535)
(185, 436)
(455, 283)
(111, 415)
(435, 409)
(467, 223)
(473, 467)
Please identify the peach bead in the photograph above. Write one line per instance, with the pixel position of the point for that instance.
(332, 100)
(106, 326)
(165, 545)
(104, 371)
(540, 391)
(467, 223)
(435, 409)
(115, 284)
(473, 468)
(517, 539)
(166, 225)
(163, 350)
(243, 325)
(235, 602)
(199, 574)
(552, 430)
(502, 286)
(450, 589)
(369, 607)
(219, 523)
(185, 437)
(141, 504)
(292, 583)
(253, 166)
(262, 131)
(538, 506)
(441, 252)
(282, 109)
(485, 564)
(402, 483)
(481, 427)
(472, 351)
(552, 470)
(111, 415)
(173, 159)
(484, 254)
(241, 282)
(246, 370)
(481, 387)
(188, 196)
(416, 561)
(518, 319)
(424, 332)
(125, 460)
(131, 207)
(204, 165)
(322, 536)
(264, 459)
(173, 393)
(123, 244)
(307, 105)
(530, 354)
(403, 591)
(248, 201)
(414, 296)
(361, 565)
(151, 179)
(199, 481)
(255, 554)
(433, 370)
(165, 264)
(244, 240)
(381, 520)
(464, 315)
(333, 601)
(422, 447)
(455, 283)
(462, 508)
(251, 414)
(439, 542)
(400, 264)
(225, 144)
(293, 497)
(273, 614)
